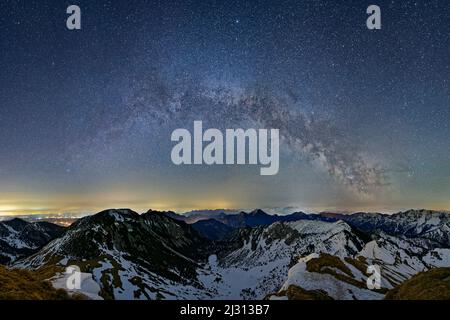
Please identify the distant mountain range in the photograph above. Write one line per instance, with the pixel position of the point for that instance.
(412, 223)
(232, 255)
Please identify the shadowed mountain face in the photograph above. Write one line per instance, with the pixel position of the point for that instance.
(237, 220)
(157, 255)
(19, 238)
(213, 229)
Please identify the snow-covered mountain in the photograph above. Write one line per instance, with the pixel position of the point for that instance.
(337, 277)
(19, 238)
(131, 256)
(157, 256)
(260, 259)
(427, 224)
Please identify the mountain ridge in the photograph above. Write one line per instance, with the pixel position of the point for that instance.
(156, 255)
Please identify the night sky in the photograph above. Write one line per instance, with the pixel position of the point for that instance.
(86, 115)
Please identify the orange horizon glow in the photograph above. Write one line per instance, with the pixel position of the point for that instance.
(17, 210)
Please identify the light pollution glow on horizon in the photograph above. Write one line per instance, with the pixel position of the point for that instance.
(68, 205)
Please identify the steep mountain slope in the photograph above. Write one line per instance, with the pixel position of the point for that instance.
(258, 260)
(428, 285)
(129, 255)
(332, 276)
(19, 238)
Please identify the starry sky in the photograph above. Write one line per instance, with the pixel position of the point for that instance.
(86, 115)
